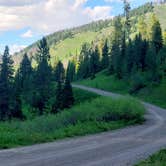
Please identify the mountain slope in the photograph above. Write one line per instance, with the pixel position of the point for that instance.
(67, 43)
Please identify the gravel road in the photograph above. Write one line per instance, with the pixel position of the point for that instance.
(123, 147)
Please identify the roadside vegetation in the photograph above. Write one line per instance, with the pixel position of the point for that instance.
(155, 94)
(158, 159)
(98, 115)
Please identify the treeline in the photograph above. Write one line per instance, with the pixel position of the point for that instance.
(39, 90)
(140, 59)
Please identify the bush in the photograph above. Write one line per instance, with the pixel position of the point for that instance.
(100, 114)
(138, 82)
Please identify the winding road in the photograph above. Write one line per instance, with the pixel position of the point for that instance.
(122, 147)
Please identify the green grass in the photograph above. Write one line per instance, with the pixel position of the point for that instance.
(98, 115)
(106, 82)
(158, 159)
(70, 46)
(82, 96)
(155, 94)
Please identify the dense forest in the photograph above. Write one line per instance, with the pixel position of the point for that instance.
(33, 88)
(47, 90)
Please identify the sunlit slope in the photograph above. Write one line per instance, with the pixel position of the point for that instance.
(160, 11)
(66, 44)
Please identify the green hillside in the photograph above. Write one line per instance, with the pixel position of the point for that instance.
(66, 43)
(160, 11)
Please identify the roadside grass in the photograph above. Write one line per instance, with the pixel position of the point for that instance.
(158, 159)
(79, 96)
(82, 95)
(98, 115)
(106, 82)
(155, 94)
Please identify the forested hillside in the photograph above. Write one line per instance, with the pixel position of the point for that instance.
(66, 44)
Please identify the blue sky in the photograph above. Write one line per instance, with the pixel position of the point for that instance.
(23, 22)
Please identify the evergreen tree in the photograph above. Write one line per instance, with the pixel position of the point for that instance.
(68, 98)
(43, 75)
(157, 36)
(84, 62)
(95, 62)
(142, 28)
(58, 104)
(121, 58)
(116, 45)
(71, 71)
(151, 59)
(129, 58)
(127, 26)
(105, 55)
(6, 82)
(59, 72)
(24, 75)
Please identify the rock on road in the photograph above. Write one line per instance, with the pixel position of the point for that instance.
(123, 147)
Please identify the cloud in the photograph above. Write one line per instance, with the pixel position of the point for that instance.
(48, 16)
(27, 34)
(78, 3)
(16, 48)
(98, 12)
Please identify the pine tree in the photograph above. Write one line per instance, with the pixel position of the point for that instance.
(142, 28)
(129, 61)
(59, 72)
(24, 74)
(157, 36)
(43, 74)
(116, 45)
(71, 71)
(68, 98)
(84, 62)
(127, 27)
(58, 103)
(95, 62)
(105, 55)
(6, 82)
(120, 66)
(151, 59)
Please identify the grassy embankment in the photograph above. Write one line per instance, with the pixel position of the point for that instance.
(155, 94)
(97, 115)
(158, 159)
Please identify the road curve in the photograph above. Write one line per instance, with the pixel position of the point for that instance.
(122, 147)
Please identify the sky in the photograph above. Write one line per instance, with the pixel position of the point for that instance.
(22, 22)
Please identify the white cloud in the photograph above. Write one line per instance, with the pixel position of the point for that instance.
(16, 48)
(98, 12)
(48, 15)
(27, 34)
(78, 3)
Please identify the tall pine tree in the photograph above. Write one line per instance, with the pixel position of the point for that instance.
(105, 55)
(6, 83)
(43, 75)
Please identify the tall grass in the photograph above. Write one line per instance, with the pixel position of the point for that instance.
(98, 115)
(158, 159)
